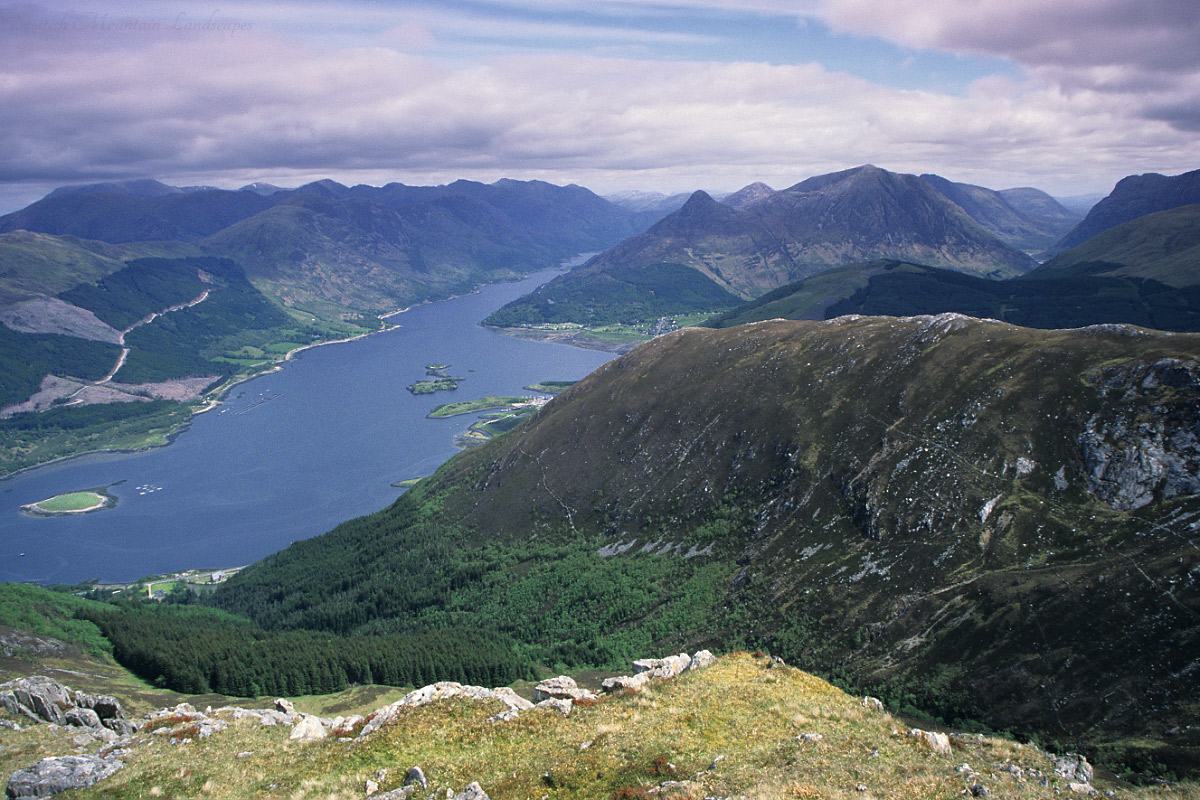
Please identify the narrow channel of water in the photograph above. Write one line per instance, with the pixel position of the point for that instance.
(287, 456)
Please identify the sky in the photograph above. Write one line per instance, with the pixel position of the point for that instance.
(671, 96)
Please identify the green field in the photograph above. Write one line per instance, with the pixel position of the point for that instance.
(472, 406)
(71, 501)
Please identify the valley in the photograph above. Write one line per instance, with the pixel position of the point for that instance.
(921, 466)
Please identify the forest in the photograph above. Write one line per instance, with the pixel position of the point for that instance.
(197, 650)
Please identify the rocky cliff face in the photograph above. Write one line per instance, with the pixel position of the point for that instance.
(1151, 449)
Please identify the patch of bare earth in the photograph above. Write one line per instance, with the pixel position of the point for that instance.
(51, 315)
(78, 393)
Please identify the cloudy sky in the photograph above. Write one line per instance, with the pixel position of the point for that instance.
(1065, 95)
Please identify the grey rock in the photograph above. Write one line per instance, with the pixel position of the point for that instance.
(873, 703)
(403, 793)
(702, 659)
(284, 706)
(937, 742)
(560, 704)
(561, 688)
(667, 667)
(473, 791)
(38, 698)
(1073, 767)
(60, 773)
(82, 718)
(507, 715)
(309, 729)
(416, 777)
(622, 682)
(106, 706)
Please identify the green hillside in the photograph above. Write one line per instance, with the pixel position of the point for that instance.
(1062, 298)
(1164, 246)
(40, 265)
(963, 513)
(618, 295)
(26, 358)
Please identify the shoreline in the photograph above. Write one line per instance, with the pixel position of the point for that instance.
(214, 397)
(574, 338)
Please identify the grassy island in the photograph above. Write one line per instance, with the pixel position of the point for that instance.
(71, 503)
(482, 404)
(438, 385)
(550, 387)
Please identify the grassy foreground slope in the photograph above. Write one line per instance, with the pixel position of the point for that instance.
(986, 520)
(731, 730)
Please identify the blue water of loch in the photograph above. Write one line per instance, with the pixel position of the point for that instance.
(287, 456)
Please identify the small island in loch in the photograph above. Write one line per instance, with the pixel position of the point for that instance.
(71, 503)
(440, 380)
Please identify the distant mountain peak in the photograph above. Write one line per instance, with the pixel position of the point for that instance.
(748, 194)
(141, 187)
(265, 189)
(1134, 196)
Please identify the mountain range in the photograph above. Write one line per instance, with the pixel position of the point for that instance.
(334, 250)
(1144, 272)
(759, 239)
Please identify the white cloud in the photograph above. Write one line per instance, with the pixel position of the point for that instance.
(199, 107)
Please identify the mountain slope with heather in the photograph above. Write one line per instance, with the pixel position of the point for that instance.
(995, 521)
(1163, 246)
(1072, 297)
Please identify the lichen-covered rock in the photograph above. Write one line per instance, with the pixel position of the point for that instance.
(60, 773)
(309, 729)
(1073, 767)
(937, 742)
(667, 667)
(562, 687)
(38, 698)
(473, 791)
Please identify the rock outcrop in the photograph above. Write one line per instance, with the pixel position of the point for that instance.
(441, 691)
(43, 699)
(60, 773)
(646, 669)
(1152, 448)
(562, 687)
